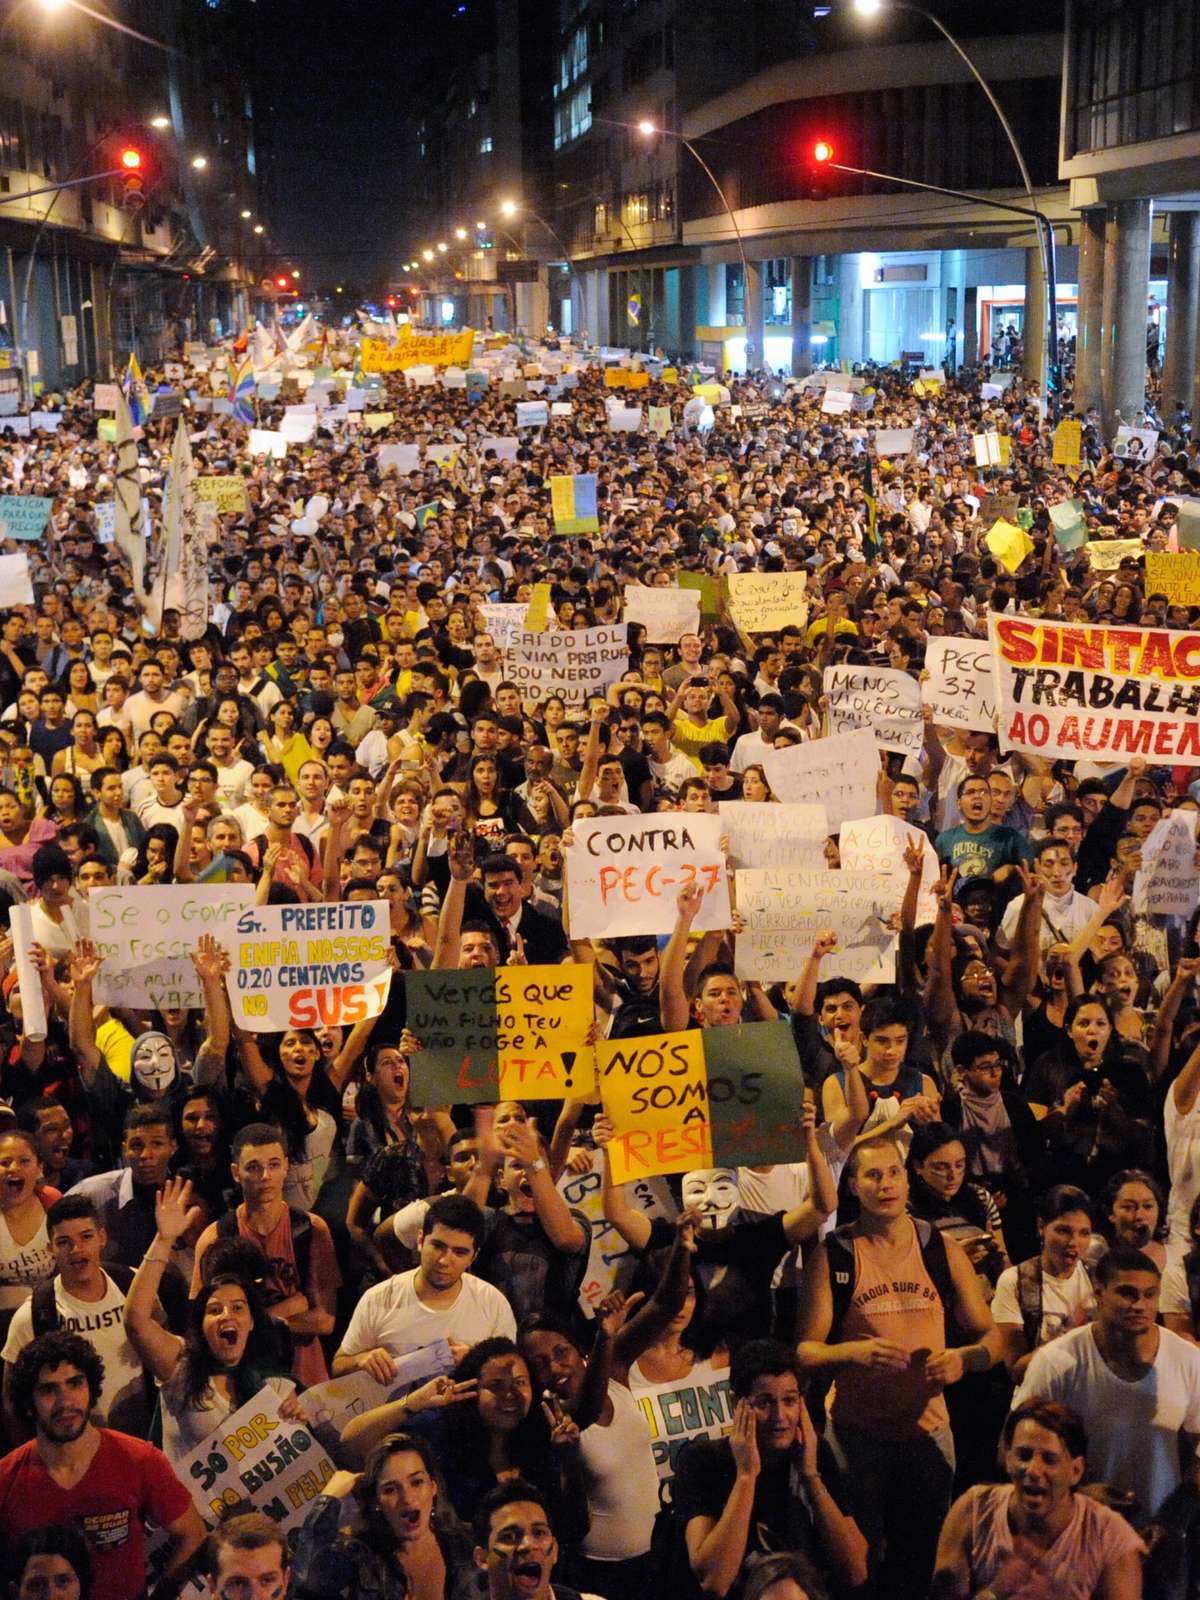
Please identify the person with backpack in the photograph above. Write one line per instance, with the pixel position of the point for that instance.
(894, 1310)
(1040, 1299)
(86, 1295)
(302, 1270)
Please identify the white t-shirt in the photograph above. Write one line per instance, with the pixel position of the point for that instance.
(1066, 914)
(1183, 1163)
(1066, 1302)
(1174, 1299)
(102, 1322)
(1132, 1428)
(393, 1316)
(232, 782)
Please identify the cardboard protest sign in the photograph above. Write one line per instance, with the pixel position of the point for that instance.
(610, 1264)
(227, 494)
(573, 664)
(655, 1090)
(265, 442)
(502, 1033)
(309, 965)
(764, 602)
(436, 350)
(1102, 693)
(329, 1406)
(1068, 444)
(959, 689)
(16, 586)
(257, 1455)
(1136, 444)
(24, 516)
(1187, 526)
(709, 590)
(838, 772)
(764, 834)
(784, 909)
(719, 1097)
(573, 503)
(894, 441)
(664, 613)
(146, 935)
(755, 1094)
(1070, 529)
(884, 700)
(998, 507)
(1106, 555)
(624, 419)
(835, 403)
(625, 873)
(504, 446)
(877, 844)
(1167, 884)
(503, 619)
(537, 613)
(532, 413)
(29, 979)
(659, 419)
(1174, 574)
(376, 421)
(1009, 544)
(987, 449)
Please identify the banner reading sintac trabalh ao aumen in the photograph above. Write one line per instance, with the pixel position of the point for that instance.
(1094, 691)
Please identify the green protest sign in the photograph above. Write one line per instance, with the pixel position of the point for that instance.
(1066, 518)
(710, 591)
(453, 1014)
(755, 1094)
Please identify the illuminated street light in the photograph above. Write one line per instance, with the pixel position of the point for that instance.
(160, 121)
(258, 228)
(460, 233)
(481, 225)
(426, 255)
(295, 272)
(200, 162)
(508, 208)
(868, 8)
(245, 216)
(442, 247)
(646, 127)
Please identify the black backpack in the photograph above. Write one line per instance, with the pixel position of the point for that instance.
(839, 1251)
(44, 1306)
(301, 1221)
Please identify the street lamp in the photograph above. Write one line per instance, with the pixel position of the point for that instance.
(442, 247)
(55, 6)
(1045, 231)
(258, 228)
(426, 255)
(650, 130)
(246, 216)
(460, 233)
(200, 163)
(160, 121)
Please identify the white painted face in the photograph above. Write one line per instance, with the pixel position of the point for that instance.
(154, 1065)
(713, 1191)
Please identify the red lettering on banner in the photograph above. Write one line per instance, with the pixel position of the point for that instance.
(1156, 657)
(1082, 647)
(654, 1150)
(1131, 736)
(1018, 639)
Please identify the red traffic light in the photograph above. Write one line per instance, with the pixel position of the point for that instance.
(282, 283)
(131, 159)
(822, 151)
(392, 302)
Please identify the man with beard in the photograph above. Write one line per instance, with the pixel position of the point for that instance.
(103, 1482)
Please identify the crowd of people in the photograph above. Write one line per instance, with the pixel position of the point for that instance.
(949, 1350)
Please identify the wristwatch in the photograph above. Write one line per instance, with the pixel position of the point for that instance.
(537, 1166)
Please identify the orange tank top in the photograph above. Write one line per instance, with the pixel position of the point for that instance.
(898, 1302)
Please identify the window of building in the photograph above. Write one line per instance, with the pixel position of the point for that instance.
(485, 145)
(642, 58)
(573, 58)
(1133, 73)
(600, 220)
(572, 115)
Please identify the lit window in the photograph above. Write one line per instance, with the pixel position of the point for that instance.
(485, 145)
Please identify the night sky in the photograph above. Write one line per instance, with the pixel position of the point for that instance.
(337, 80)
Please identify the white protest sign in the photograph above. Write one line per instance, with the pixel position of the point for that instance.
(762, 833)
(893, 441)
(624, 419)
(16, 586)
(405, 458)
(784, 911)
(561, 408)
(265, 442)
(257, 1455)
(987, 449)
(146, 935)
(442, 455)
(106, 396)
(883, 699)
(664, 613)
(611, 1263)
(335, 1403)
(1136, 444)
(503, 447)
(1167, 884)
(297, 429)
(573, 664)
(320, 965)
(29, 980)
(838, 772)
(532, 413)
(877, 844)
(836, 403)
(959, 689)
(764, 602)
(624, 873)
(503, 619)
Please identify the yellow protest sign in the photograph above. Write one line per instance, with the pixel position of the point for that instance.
(1005, 450)
(670, 375)
(710, 393)
(543, 1017)
(376, 421)
(1010, 545)
(655, 1091)
(637, 380)
(538, 614)
(1068, 444)
(1106, 555)
(617, 377)
(918, 389)
(227, 494)
(1176, 576)
(418, 350)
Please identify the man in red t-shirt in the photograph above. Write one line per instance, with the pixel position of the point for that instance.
(100, 1481)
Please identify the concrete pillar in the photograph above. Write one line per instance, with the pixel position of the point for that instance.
(802, 270)
(850, 310)
(1089, 339)
(754, 315)
(970, 326)
(1183, 304)
(689, 286)
(1127, 263)
(1033, 335)
(716, 295)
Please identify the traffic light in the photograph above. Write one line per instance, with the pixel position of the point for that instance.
(282, 283)
(132, 192)
(822, 152)
(392, 302)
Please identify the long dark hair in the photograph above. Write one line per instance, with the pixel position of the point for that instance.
(197, 1365)
(374, 1528)
(467, 1441)
(923, 1200)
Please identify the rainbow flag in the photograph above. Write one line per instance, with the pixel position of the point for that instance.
(573, 499)
(241, 391)
(137, 396)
